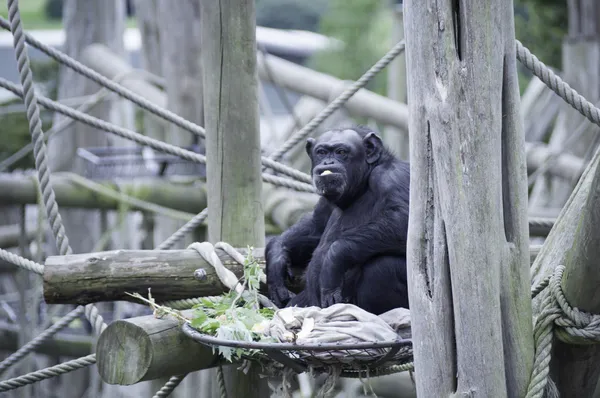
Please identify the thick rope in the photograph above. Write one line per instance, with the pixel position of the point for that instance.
(142, 102)
(184, 230)
(108, 83)
(556, 84)
(228, 278)
(40, 155)
(21, 262)
(339, 101)
(47, 373)
(35, 127)
(46, 335)
(221, 381)
(542, 222)
(568, 324)
(169, 386)
(157, 144)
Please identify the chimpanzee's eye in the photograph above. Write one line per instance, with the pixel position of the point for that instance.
(321, 151)
(341, 152)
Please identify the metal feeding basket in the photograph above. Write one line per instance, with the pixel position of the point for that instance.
(130, 162)
(366, 359)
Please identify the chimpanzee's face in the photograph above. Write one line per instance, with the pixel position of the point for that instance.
(340, 161)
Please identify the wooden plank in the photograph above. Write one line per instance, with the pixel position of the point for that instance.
(467, 244)
(233, 147)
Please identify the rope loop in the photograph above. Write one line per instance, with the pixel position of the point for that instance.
(557, 318)
(574, 326)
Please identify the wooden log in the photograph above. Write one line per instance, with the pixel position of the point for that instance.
(61, 345)
(107, 276)
(565, 165)
(16, 189)
(575, 242)
(288, 74)
(107, 63)
(467, 241)
(10, 235)
(146, 348)
(320, 85)
(233, 147)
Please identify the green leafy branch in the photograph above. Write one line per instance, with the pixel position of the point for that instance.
(230, 316)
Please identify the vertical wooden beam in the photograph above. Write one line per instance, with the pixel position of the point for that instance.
(180, 45)
(85, 22)
(575, 366)
(467, 245)
(394, 138)
(234, 183)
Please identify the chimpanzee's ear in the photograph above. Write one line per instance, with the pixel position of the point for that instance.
(373, 147)
(310, 142)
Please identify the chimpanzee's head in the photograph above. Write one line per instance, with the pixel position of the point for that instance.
(341, 161)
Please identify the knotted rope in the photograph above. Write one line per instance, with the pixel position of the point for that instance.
(569, 324)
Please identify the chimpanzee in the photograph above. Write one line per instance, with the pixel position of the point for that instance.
(352, 247)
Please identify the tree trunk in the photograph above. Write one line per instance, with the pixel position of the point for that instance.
(467, 242)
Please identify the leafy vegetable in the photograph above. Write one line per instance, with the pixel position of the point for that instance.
(230, 316)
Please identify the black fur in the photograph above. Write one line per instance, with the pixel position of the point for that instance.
(352, 247)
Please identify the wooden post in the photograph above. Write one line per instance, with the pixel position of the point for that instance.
(577, 365)
(85, 22)
(468, 271)
(574, 242)
(233, 141)
(396, 139)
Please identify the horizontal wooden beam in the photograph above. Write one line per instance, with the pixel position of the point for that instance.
(10, 235)
(108, 276)
(61, 344)
(21, 189)
(565, 165)
(146, 348)
(287, 74)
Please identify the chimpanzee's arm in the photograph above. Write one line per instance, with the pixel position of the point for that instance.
(292, 250)
(385, 234)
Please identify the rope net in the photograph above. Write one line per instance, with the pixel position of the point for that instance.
(558, 317)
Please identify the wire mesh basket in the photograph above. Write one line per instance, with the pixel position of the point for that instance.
(356, 360)
(133, 161)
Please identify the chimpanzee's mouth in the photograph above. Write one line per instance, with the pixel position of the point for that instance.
(325, 172)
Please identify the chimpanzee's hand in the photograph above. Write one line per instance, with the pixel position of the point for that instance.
(280, 296)
(330, 296)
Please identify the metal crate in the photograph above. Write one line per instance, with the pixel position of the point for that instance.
(128, 162)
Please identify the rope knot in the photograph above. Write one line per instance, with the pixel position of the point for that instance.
(574, 326)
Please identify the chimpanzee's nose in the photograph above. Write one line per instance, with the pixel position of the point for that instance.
(328, 162)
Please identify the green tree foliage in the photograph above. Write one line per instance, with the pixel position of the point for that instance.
(541, 26)
(290, 14)
(15, 127)
(364, 27)
(54, 9)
